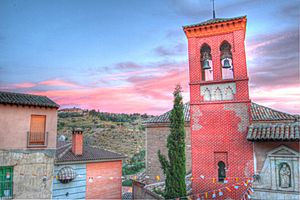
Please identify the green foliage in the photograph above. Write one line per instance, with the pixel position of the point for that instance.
(133, 169)
(127, 183)
(158, 191)
(174, 167)
(135, 164)
(115, 117)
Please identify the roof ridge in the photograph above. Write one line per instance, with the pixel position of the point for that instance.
(65, 151)
(214, 20)
(258, 113)
(26, 99)
(268, 108)
(95, 147)
(25, 94)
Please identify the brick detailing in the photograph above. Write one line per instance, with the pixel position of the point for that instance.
(156, 139)
(77, 142)
(242, 112)
(101, 186)
(209, 92)
(219, 133)
(223, 119)
(196, 114)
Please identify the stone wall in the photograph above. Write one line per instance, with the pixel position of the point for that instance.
(32, 172)
(156, 139)
(275, 195)
(268, 174)
(140, 192)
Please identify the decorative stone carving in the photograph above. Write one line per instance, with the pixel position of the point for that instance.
(218, 92)
(284, 176)
(279, 175)
(207, 95)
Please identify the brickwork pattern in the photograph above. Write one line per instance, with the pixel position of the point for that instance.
(156, 139)
(222, 136)
(77, 144)
(104, 187)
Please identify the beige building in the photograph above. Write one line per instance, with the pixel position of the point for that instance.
(27, 145)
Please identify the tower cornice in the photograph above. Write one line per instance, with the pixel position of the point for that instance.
(215, 27)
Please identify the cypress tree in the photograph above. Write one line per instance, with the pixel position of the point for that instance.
(174, 166)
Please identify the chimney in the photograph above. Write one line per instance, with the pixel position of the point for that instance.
(77, 141)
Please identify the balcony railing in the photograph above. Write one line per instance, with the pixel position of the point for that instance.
(37, 139)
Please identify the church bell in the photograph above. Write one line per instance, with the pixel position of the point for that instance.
(206, 64)
(226, 64)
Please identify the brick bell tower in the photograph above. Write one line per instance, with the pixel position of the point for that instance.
(219, 105)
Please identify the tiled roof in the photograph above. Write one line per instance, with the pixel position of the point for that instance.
(64, 154)
(262, 113)
(281, 132)
(213, 21)
(259, 114)
(26, 99)
(164, 118)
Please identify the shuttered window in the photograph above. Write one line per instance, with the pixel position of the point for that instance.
(6, 182)
(37, 130)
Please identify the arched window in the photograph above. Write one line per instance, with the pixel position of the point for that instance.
(226, 61)
(206, 63)
(221, 171)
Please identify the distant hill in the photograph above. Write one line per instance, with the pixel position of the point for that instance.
(122, 133)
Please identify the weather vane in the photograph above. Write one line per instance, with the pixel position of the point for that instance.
(214, 13)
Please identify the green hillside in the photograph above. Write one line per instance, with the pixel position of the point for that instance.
(122, 133)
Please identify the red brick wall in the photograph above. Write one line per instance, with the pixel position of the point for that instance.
(219, 134)
(77, 143)
(219, 128)
(104, 187)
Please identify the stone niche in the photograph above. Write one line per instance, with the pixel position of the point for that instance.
(218, 92)
(279, 177)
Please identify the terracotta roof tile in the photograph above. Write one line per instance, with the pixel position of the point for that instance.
(213, 21)
(164, 118)
(259, 113)
(64, 154)
(26, 99)
(262, 113)
(276, 132)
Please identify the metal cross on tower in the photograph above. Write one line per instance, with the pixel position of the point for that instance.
(214, 13)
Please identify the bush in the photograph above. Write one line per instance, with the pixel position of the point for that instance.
(127, 183)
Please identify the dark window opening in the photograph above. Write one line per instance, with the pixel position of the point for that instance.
(221, 171)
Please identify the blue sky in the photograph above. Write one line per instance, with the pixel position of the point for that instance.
(112, 55)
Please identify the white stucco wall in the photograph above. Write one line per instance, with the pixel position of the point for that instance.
(15, 123)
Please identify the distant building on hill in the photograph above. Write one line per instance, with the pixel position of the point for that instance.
(27, 145)
(85, 172)
(71, 110)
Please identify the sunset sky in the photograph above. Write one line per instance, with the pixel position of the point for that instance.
(126, 56)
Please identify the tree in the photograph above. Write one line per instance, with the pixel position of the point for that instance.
(174, 166)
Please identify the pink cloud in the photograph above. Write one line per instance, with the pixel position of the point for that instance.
(144, 93)
(58, 82)
(25, 85)
(285, 99)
